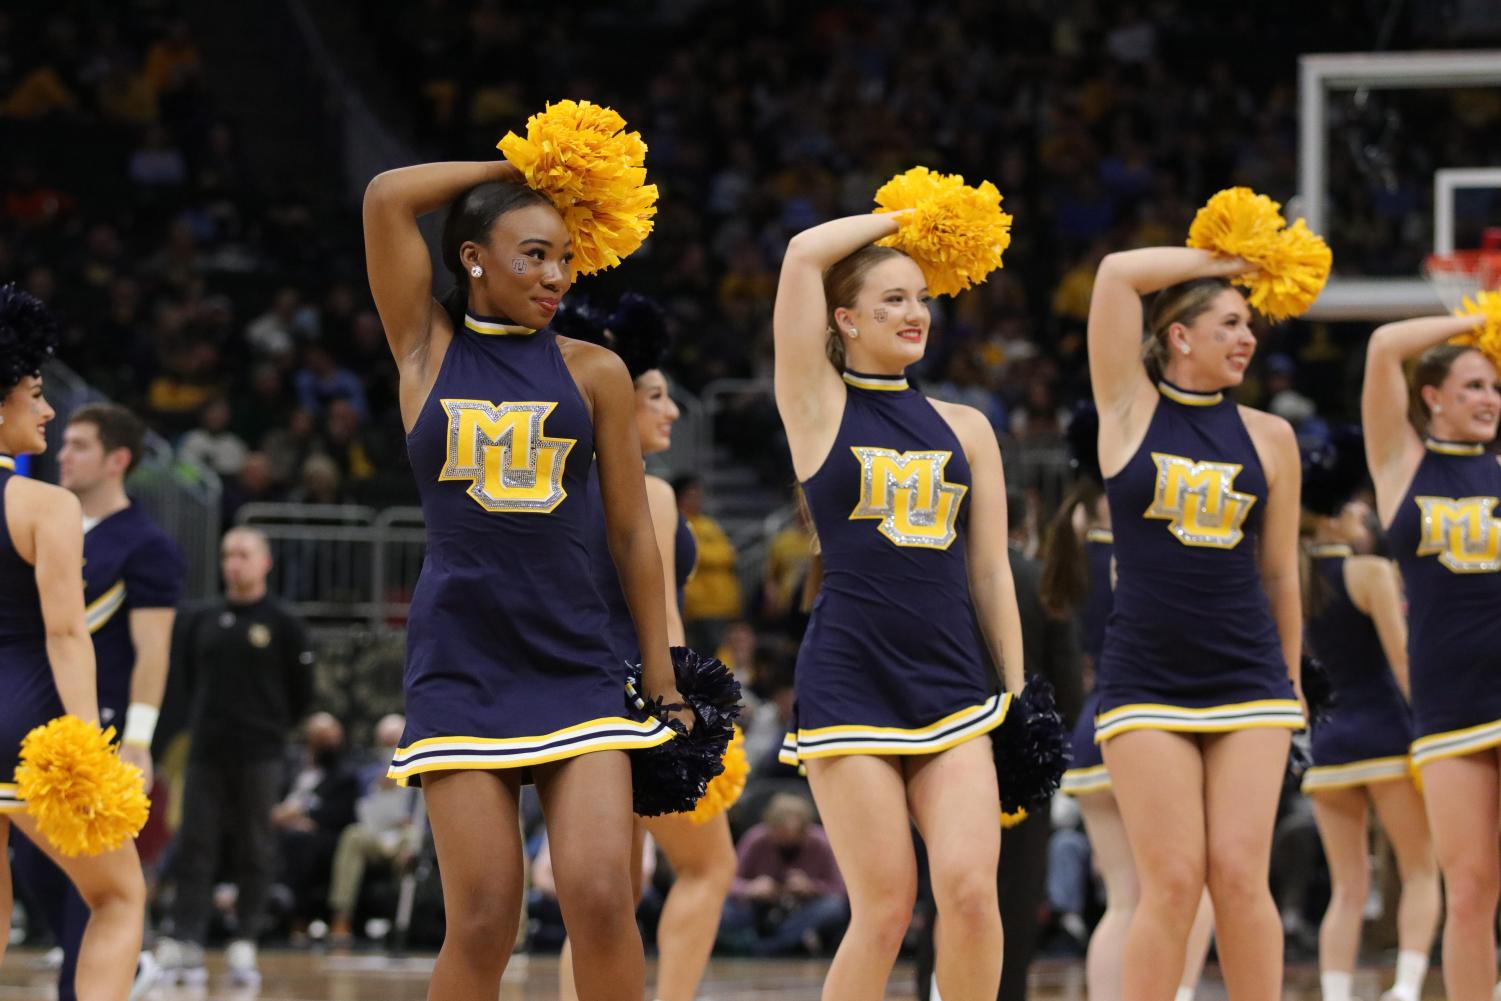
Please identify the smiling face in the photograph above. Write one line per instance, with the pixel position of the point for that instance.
(655, 412)
(528, 266)
(1211, 350)
(26, 414)
(1466, 405)
(885, 329)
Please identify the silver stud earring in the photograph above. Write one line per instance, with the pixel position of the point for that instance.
(477, 271)
(1438, 408)
(1184, 348)
(854, 332)
(2, 418)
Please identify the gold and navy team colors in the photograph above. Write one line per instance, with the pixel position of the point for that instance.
(29, 697)
(1366, 733)
(893, 661)
(508, 662)
(1447, 539)
(128, 563)
(1191, 644)
(1087, 772)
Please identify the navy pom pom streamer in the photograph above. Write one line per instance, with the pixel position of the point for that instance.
(1318, 692)
(672, 777)
(1031, 749)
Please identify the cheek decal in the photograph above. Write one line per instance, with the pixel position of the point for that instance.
(880, 314)
(1220, 337)
(520, 265)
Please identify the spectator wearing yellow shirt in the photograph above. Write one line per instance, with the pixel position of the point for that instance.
(711, 598)
(788, 556)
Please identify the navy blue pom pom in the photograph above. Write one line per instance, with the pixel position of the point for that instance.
(1031, 749)
(1318, 691)
(28, 336)
(672, 777)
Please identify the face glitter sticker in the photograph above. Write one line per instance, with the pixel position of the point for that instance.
(520, 265)
(907, 492)
(505, 454)
(880, 314)
(1199, 501)
(1463, 533)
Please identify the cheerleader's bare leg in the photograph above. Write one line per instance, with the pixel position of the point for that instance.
(1399, 807)
(114, 887)
(1158, 778)
(702, 857)
(1112, 856)
(1243, 772)
(1341, 816)
(1463, 796)
(862, 802)
(590, 831)
(477, 834)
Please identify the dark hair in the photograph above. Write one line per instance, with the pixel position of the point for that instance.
(841, 286)
(686, 481)
(638, 328)
(117, 427)
(1180, 303)
(1064, 583)
(1431, 369)
(469, 220)
(28, 337)
(577, 318)
(1334, 471)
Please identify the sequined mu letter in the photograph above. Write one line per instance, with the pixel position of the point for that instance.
(907, 492)
(505, 454)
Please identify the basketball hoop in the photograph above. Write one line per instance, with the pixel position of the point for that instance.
(1458, 276)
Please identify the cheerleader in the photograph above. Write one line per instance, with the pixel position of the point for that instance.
(894, 688)
(1197, 678)
(701, 853)
(1437, 489)
(1356, 628)
(46, 659)
(1076, 579)
(509, 677)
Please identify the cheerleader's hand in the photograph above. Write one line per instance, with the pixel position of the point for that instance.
(140, 756)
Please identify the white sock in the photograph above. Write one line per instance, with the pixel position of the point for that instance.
(1412, 967)
(933, 988)
(1185, 993)
(1336, 985)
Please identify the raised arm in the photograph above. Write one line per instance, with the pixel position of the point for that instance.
(807, 387)
(396, 257)
(58, 541)
(664, 522)
(1392, 446)
(1375, 587)
(1115, 317)
(991, 586)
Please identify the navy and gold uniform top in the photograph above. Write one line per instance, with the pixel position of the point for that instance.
(1447, 539)
(508, 660)
(622, 627)
(30, 697)
(1365, 736)
(1086, 771)
(1191, 644)
(128, 563)
(893, 661)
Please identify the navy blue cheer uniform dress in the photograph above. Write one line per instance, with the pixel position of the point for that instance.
(893, 661)
(1447, 539)
(509, 663)
(1087, 772)
(607, 579)
(1365, 736)
(1191, 645)
(30, 697)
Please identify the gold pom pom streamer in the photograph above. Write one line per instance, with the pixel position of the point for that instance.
(580, 157)
(725, 788)
(1292, 262)
(85, 799)
(1010, 820)
(956, 233)
(1487, 336)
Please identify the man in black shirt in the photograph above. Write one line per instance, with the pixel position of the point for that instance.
(247, 670)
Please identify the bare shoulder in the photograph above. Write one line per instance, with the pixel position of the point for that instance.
(47, 501)
(592, 365)
(1369, 567)
(971, 427)
(1276, 430)
(658, 489)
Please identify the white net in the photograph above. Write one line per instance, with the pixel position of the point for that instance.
(1458, 276)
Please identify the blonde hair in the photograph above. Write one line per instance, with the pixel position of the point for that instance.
(1180, 303)
(841, 286)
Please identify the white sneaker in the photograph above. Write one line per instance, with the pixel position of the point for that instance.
(240, 959)
(180, 963)
(148, 973)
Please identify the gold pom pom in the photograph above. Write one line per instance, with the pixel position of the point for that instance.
(727, 786)
(1010, 820)
(1487, 336)
(578, 155)
(85, 799)
(1292, 262)
(955, 233)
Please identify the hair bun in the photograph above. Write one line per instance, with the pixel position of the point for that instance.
(28, 336)
(638, 330)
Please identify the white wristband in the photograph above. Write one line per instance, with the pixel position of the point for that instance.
(140, 724)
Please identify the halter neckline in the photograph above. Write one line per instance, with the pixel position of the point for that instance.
(6, 462)
(1189, 397)
(1453, 447)
(880, 383)
(1326, 550)
(494, 326)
